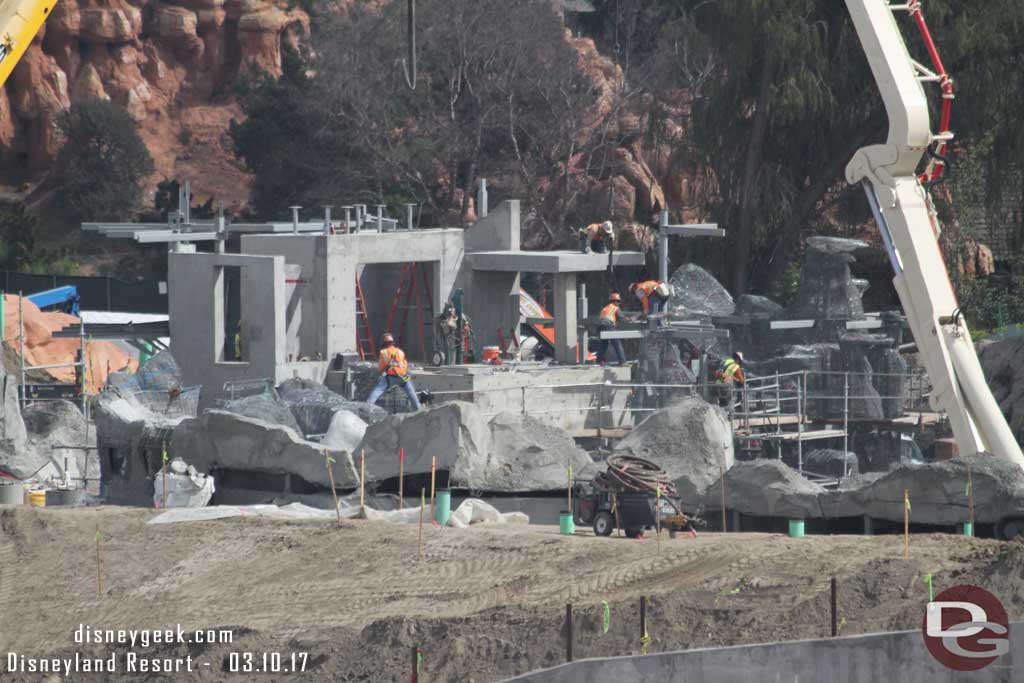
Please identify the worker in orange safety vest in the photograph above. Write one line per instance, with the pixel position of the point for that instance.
(394, 371)
(609, 320)
(653, 295)
(597, 238)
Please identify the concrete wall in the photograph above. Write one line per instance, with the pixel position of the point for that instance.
(569, 407)
(196, 318)
(492, 298)
(899, 656)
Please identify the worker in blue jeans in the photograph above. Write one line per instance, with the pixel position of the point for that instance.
(394, 370)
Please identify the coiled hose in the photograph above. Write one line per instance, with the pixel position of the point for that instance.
(628, 474)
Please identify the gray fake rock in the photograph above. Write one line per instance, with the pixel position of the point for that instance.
(767, 488)
(14, 457)
(938, 492)
(509, 453)
(698, 293)
(314, 405)
(53, 427)
(527, 454)
(263, 407)
(832, 463)
(222, 440)
(1003, 364)
(345, 433)
(752, 304)
(691, 440)
(454, 433)
(827, 290)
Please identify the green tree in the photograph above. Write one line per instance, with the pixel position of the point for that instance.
(19, 228)
(101, 162)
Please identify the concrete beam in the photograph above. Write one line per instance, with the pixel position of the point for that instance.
(697, 230)
(565, 318)
(550, 261)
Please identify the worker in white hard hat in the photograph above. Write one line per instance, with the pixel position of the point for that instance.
(597, 238)
(394, 370)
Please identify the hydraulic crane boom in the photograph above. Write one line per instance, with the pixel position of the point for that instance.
(910, 229)
(20, 21)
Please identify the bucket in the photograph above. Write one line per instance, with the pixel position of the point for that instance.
(566, 526)
(796, 528)
(11, 492)
(968, 529)
(491, 354)
(37, 499)
(443, 506)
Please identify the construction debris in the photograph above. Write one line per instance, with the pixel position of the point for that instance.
(185, 487)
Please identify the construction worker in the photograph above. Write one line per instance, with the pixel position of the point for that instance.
(653, 295)
(238, 341)
(730, 377)
(609, 320)
(394, 370)
(597, 238)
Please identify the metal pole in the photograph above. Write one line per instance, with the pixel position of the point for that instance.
(21, 352)
(348, 218)
(81, 347)
(295, 219)
(568, 631)
(801, 414)
(778, 404)
(481, 199)
(380, 218)
(409, 210)
(327, 220)
(846, 419)
(581, 311)
(3, 314)
(835, 622)
(663, 247)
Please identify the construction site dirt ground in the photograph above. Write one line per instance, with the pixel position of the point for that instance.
(483, 604)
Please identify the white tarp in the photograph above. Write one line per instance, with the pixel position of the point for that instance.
(186, 488)
(470, 511)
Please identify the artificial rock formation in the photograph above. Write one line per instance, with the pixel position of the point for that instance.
(691, 440)
(511, 452)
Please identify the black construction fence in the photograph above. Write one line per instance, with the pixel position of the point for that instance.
(96, 293)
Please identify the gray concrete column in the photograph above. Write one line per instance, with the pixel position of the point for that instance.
(565, 318)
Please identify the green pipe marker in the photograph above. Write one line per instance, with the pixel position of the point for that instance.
(796, 528)
(968, 529)
(443, 506)
(606, 620)
(931, 592)
(566, 525)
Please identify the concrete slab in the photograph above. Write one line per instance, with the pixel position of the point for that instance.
(550, 261)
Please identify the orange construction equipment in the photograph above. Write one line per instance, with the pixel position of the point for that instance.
(412, 274)
(364, 335)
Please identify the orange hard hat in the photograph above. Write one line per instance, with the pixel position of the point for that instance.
(387, 339)
(614, 297)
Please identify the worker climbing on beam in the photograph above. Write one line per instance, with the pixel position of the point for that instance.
(609, 320)
(598, 238)
(653, 295)
(394, 371)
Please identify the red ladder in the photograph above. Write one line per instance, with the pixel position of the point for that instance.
(408, 284)
(364, 335)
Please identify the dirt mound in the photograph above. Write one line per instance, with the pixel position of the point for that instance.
(483, 604)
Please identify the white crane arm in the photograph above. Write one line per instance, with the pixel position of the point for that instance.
(910, 229)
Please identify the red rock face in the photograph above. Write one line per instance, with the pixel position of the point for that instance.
(159, 60)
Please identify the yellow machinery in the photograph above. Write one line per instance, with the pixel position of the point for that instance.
(20, 21)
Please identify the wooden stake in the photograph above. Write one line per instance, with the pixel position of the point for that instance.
(618, 522)
(906, 524)
(970, 497)
(433, 481)
(568, 631)
(99, 580)
(657, 517)
(401, 477)
(330, 477)
(163, 477)
(362, 483)
(835, 609)
(419, 540)
(721, 467)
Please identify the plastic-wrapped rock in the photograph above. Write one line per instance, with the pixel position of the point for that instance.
(263, 407)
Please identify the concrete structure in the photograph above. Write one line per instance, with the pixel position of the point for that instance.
(563, 397)
(291, 296)
(896, 656)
